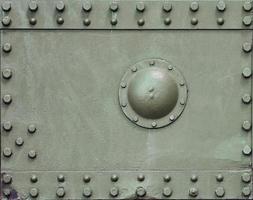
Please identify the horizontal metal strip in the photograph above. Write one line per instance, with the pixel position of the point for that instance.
(127, 14)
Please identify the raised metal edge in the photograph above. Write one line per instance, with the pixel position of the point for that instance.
(127, 16)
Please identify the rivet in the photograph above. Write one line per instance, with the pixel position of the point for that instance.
(182, 102)
(33, 6)
(246, 72)
(7, 126)
(246, 191)
(86, 21)
(123, 104)
(6, 192)
(6, 21)
(60, 178)
(114, 21)
(87, 6)
(86, 178)
(7, 179)
(141, 22)
(7, 99)
(114, 6)
(134, 69)
(247, 20)
(7, 152)
(246, 150)
(32, 154)
(194, 6)
(246, 125)
(6, 6)
(60, 192)
(170, 67)
(220, 21)
(141, 177)
(34, 192)
(114, 178)
(194, 178)
(34, 178)
(60, 20)
(31, 128)
(182, 83)
(153, 124)
(135, 119)
(247, 6)
(193, 192)
(221, 6)
(114, 192)
(19, 141)
(247, 47)
(60, 6)
(194, 21)
(33, 21)
(167, 192)
(167, 6)
(167, 178)
(140, 192)
(246, 98)
(87, 192)
(220, 192)
(6, 73)
(151, 63)
(172, 117)
(140, 6)
(219, 177)
(123, 84)
(246, 177)
(167, 21)
(7, 47)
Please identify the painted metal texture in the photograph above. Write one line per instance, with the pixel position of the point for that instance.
(126, 99)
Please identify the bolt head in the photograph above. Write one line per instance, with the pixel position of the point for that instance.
(220, 21)
(87, 192)
(219, 177)
(140, 6)
(34, 192)
(7, 99)
(6, 73)
(7, 179)
(114, 192)
(246, 177)
(247, 20)
(60, 192)
(193, 192)
(167, 21)
(7, 152)
(114, 178)
(60, 178)
(140, 192)
(33, 6)
(167, 192)
(31, 128)
(7, 47)
(34, 178)
(247, 47)
(60, 20)
(32, 154)
(141, 177)
(220, 192)
(86, 178)
(167, 6)
(246, 125)
(114, 6)
(246, 98)
(141, 22)
(246, 72)
(87, 6)
(221, 6)
(6, 6)
(194, 178)
(246, 150)
(19, 141)
(194, 6)
(33, 21)
(247, 6)
(7, 126)
(246, 191)
(194, 21)
(60, 6)
(6, 21)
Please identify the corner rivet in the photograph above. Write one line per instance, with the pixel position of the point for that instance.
(7, 126)
(6, 73)
(6, 6)
(140, 6)
(167, 192)
(167, 21)
(246, 98)
(194, 21)
(87, 192)
(7, 99)
(32, 154)
(6, 21)
(31, 128)
(114, 6)
(141, 22)
(246, 150)
(141, 177)
(247, 20)
(60, 178)
(87, 6)
(7, 47)
(246, 177)
(33, 6)
(34, 178)
(246, 191)
(114, 178)
(114, 192)
(19, 141)
(34, 192)
(219, 177)
(194, 6)
(247, 47)
(86, 22)
(60, 192)
(167, 6)
(33, 21)
(246, 125)
(167, 178)
(60, 6)
(7, 179)
(194, 178)
(220, 21)
(221, 6)
(247, 6)
(60, 20)
(220, 192)
(7, 152)
(193, 192)
(86, 178)
(140, 192)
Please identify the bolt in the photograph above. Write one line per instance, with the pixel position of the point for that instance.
(7, 152)
(7, 99)
(33, 21)
(31, 128)
(86, 178)
(87, 6)
(6, 73)
(193, 192)
(60, 178)
(246, 191)
(246, 98)
(33, 6)
(220, 192)
(114, 6)
(246, 177)
(194, 178)
(114, 21)
(87, 192)
(141, 177)
(167, 192)
(194, 6)
(167, 21)
(7, 47)
(6, 6)
(19, 141)
(6, 192)
(167, 7)
(34, 178)
(167, 178)
(246, 125)
(246, 150)
(114, 178)
(140, 192)
(220, 21)
(7, 126)
(60, 192)
(247, 47)
(153, 124)
(221, 6)
(114, 191)
(60, 6)
(34, 192)
(246, 72)
(60, 20)
(6, 21)
(7, 179)
(247, 6)
(86, 21)
(219, 177)
(32, 154)
(141, 22)
(140, 6)
(247, 20)
(194, 21)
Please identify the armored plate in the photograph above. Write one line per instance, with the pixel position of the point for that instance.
(126, 99)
